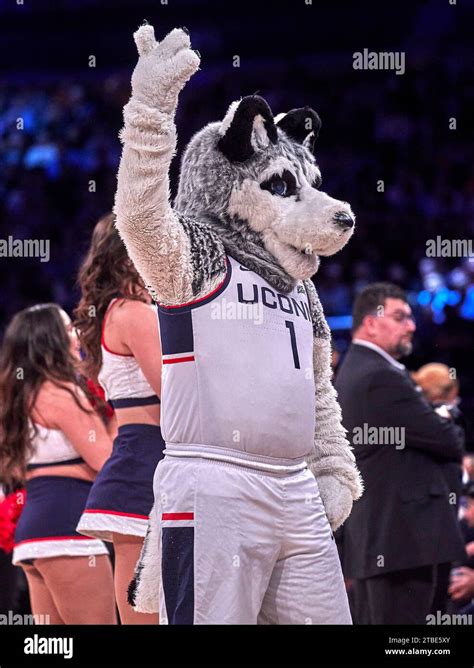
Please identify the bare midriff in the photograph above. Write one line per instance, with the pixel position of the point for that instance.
(82, 471)
(138, 415)
(123, 416)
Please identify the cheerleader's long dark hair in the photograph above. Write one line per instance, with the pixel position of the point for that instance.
(105, 273)
(36, 348)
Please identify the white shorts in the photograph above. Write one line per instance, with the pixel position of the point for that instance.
(235, 545)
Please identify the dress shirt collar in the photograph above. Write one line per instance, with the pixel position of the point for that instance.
(377, 349)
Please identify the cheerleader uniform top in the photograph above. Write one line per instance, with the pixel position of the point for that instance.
(122, 379)
(51, 447)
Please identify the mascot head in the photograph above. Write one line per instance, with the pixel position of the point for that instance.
(256, 179)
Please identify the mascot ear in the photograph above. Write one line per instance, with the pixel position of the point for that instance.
(247, 127)
(302, 125)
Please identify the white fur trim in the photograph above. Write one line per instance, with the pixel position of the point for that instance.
(259, 138)
(307, 140)
(278, 117)
(148, 568)
(228, 118)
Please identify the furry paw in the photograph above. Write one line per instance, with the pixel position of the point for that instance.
(163, 68)
(336, 498)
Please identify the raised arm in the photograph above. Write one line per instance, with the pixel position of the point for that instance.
(157, 240)
(332, 460)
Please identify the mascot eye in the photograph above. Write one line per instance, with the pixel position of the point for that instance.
(283, 185)
(278, 187)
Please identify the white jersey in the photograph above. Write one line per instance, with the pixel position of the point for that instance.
(238, 371)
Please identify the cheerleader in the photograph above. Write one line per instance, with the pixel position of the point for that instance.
(118, 333)
(52, 439)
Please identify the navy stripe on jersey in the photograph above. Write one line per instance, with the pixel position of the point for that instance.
(176, 331)
(177, 572)
(176, 325)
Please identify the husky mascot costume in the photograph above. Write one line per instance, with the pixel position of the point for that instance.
(257, 469)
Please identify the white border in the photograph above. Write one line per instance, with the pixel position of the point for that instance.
(66, 547)
(102, 525)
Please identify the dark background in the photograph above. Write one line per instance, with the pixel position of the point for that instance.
(376, 126)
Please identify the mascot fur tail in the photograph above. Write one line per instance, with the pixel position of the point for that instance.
(144, 589)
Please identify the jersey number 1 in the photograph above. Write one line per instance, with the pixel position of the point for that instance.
(294, 348)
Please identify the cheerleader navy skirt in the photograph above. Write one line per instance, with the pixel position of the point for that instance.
(47, 524)
(122, 494)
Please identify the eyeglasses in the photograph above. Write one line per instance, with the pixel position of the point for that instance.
(400, 317)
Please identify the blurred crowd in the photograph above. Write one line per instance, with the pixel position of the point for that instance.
(388, 145)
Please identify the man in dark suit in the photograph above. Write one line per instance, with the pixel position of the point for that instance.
(403, 533)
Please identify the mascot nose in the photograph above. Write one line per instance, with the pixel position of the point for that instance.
(344, 219)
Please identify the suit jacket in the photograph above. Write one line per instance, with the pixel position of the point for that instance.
(406, 516)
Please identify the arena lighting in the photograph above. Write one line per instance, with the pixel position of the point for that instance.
(339, 322)
(424, 298)
(467, 308)
(437, 300)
